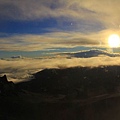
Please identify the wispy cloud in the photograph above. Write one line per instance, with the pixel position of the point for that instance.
(53, 40)
(104, 11)
(98, 19)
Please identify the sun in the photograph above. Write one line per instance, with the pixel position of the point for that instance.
(114, 40)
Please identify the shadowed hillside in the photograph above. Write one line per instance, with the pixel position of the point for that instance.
(80, 81)
(79, 93)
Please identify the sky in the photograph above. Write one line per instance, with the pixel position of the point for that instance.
(34, 28)
(36, 32)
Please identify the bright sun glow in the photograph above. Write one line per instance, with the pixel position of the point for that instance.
(114, 41)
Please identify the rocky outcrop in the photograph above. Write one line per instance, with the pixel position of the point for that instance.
(6, 87)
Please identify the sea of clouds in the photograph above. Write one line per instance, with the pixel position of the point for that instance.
(22, 69)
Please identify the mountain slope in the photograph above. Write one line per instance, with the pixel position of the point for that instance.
(92, 53)
(81, 81)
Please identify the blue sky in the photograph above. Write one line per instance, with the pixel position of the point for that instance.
(34, 28)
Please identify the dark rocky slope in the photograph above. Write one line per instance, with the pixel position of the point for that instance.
(82, 81)
(79, 93)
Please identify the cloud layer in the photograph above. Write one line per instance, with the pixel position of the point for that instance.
(22, 69)
(98, 19)
(53, 40)
(105, 11)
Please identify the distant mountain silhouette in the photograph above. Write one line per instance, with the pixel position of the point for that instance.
(92, 53)
(14, 57)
